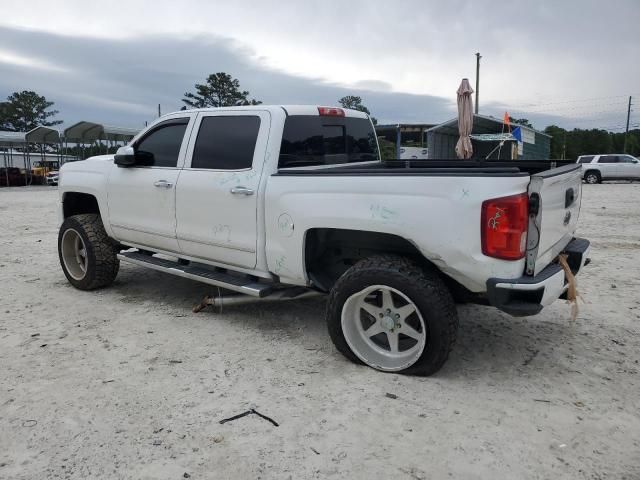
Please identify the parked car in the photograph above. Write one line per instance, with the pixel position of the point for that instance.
(414, 153)
(52, 178)
(277, 200)
(598, 168)
(11, 177)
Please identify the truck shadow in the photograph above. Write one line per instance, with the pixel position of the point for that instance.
(490, 344)
(493, 345)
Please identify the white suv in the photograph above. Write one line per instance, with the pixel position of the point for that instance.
(597, 168)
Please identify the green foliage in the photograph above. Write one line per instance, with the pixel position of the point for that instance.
(387, 149)
(354, 102)
(570, 144)
(220, 90)
(24, 111)
(520, 121)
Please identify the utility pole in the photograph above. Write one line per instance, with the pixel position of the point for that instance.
(159, 113)
(626, 132)
(478, 57)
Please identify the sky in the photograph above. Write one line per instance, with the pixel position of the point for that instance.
(572, 63)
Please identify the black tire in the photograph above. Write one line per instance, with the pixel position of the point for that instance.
(102, 263)
(592, 177)
(423, 287)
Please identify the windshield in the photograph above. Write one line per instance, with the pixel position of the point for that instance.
(321, 140)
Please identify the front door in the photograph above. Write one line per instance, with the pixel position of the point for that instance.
(608, 166)
(218, 191)
(628, 167)
(142, 197)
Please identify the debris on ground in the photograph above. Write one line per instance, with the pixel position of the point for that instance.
(572, 290)
(250, 412)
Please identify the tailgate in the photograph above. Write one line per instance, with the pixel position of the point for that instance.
(554, 207)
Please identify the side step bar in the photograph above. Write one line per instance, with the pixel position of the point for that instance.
(223, 280)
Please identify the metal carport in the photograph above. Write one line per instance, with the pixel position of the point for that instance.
(89, 133)
(8, 140)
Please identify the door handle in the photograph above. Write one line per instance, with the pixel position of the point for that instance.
(241, 191)
(163, 183)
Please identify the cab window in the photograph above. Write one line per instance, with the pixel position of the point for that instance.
(161, 146)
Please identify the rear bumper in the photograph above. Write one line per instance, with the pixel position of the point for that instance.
(527, 295)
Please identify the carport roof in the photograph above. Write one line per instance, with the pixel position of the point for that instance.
(10, 138)
(88, 132)
(481, 124)
(42, 134)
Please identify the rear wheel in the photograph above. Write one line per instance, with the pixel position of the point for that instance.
(87, 254)
(592, 178)
(392, 315)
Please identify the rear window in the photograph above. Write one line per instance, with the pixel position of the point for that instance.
(608, 159)
(226, 142)
(586, 159)
(318, 140)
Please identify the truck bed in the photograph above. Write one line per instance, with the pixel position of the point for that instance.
(511, 168)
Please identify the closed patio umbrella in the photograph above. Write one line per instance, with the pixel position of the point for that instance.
(464, 149)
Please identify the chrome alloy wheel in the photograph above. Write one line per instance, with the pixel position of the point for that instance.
(592, 178)
(384, 328)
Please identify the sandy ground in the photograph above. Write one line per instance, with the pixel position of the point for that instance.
(126, 382)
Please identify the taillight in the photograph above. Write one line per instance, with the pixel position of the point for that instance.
(331, 112)
(504, 227)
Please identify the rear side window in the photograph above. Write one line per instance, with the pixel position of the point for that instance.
(586, 159)
(161, 147)
(226, 143)
(608, 159)
(318, 140)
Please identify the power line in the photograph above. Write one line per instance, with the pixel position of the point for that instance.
(530, 105)
(572, 108)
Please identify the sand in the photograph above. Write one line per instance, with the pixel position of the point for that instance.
(127, 382)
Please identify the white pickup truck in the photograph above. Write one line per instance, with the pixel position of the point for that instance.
(275, 200)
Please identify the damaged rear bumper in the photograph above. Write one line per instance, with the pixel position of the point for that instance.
(528, 295)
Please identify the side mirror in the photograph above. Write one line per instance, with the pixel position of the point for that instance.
(125, 157)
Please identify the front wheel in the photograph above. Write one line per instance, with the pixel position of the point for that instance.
(592, 178)
(87, 255)
(392, 315)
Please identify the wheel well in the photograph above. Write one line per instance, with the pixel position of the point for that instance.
(593, 170)
(75, 203)
(330, 252)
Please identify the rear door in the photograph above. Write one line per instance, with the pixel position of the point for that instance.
(217, 195)
(554, 204)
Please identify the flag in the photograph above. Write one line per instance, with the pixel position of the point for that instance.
(505, 120)
(517, 134)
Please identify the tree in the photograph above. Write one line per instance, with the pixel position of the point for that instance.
(25, 110)
(4, 112)
(219, 90)
(521, 121)
(355, 103)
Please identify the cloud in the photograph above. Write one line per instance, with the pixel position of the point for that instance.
(12, 59)
(405, 60)
(123, 81)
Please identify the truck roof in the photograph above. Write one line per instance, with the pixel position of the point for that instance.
(289, 109)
